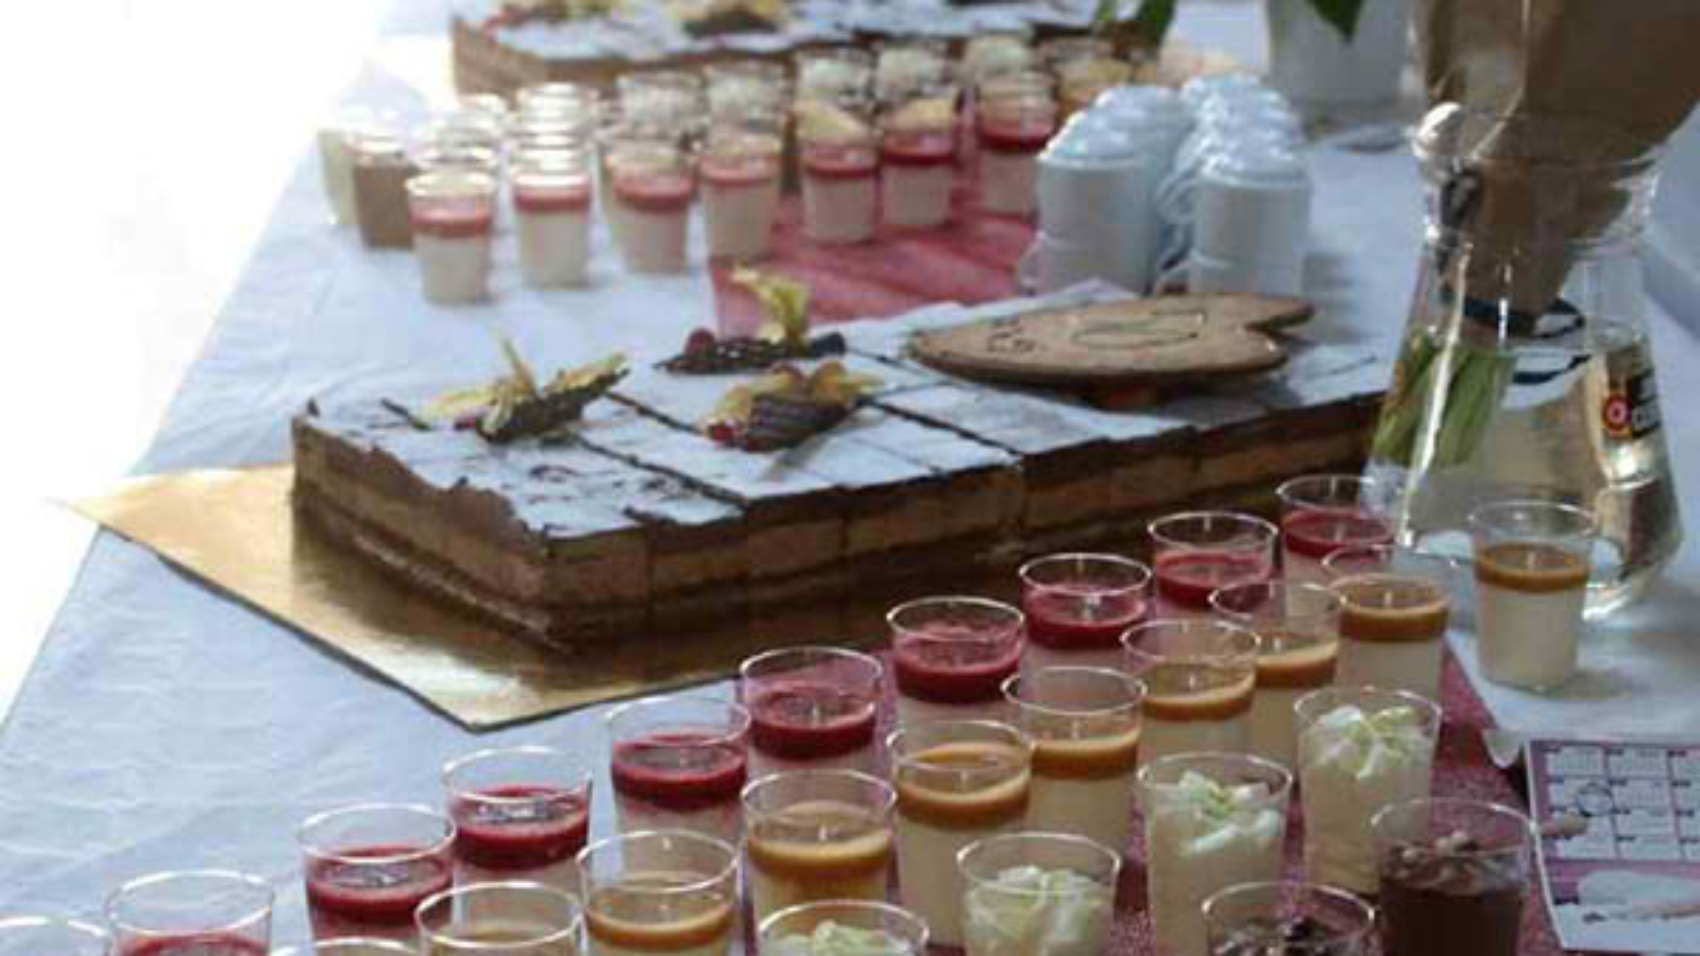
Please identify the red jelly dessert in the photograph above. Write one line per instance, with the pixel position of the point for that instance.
(732, 172)
(1026, 136)
(542, 200)
(1080, 618)
(520, 827)
(840, 162)
(657, 193)
(809, 720)
(952, 664)
(1318, 533)
(679, 771)
(194, 944)
(1188, 578)
(919, 149)
(371, 886)
(452, 218)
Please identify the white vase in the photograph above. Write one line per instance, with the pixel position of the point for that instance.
(1313, 64)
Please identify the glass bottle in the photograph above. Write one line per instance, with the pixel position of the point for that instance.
(1525, 370)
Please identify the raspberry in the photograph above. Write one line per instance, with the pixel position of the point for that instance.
(722, 433)
(700, 340)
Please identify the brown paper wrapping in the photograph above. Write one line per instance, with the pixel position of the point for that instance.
(1608, 79)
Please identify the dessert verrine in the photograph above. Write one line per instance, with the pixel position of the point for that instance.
(336, 160)
(843, 928)
(1196, 552)
(1394, 611)
(1211, 821)
(667, 98)
(739, 170)
(1532, 562)
(659, 891)
(811, 707)
(679, 762)
(520, 813)
(1360, 749)
(1084, 723)
(1299, 626)
(1038, 894)
(1322, 514)
(190, 913)
(52, 936)
(1200, 679)
(653, 187)
(903, 68)
(513, 918)
(957, 782)
(552, 198)
(1288, 919)
(367, 867)
(453, 217)
(839, 163)
(813, 835)
(918, 160)
(950, 656)
(1454, 875)
(1013, 123)
(1078, 606)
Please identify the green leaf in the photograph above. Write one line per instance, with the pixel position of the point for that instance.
(1342, 14)
(1149, 23)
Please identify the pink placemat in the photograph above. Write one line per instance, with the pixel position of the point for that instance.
(970, 261)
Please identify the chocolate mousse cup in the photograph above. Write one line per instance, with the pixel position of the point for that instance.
(1454, 874)
(1289, 919)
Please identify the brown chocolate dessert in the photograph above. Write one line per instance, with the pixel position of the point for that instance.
(1449, 897)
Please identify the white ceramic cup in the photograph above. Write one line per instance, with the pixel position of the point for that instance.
(1204, 274)
(1051, 263)
(1253, 206)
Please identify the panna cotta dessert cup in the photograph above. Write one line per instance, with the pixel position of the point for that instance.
(951, 655)
(1322, 514)
(680, 762)
(520, 813)
(452, 213)
(653, 188)
(1360, 749)
(1078, 606)
(551, 192)
(739, 171)
(839, 160)
(811, 708)
(841, 927)
(1290, 919)
(367, 867)
(514, 918)
(1454, 876)
(814, 835)
(918, 162)
(1299, 626)
(177, 913)
(1532, 562)
(1012, 129)
(1038, 894)
(1084, 723)
(957, 782)
(1211, 821)
(659, 891)
(1200, 678)
(1395, 606)
(1196, 552)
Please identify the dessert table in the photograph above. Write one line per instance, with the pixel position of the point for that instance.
(166, 726)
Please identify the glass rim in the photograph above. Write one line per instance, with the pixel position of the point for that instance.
(1525, 825)
(1019, 738)
(1305, 888)
(1587, 522)
(1387, 554)
(451, 182)
(981, 603)
(1288, 491)
(1136, 689)
(351, 941)
(891, 910)
(1275, 586)
(1147, 771)
(1434, 715)
(1233, 629)
(1037, 836)
(739, 713)
(887, 793)
(584, 857)
(824, 650)
(582, 777)
(257, 884)
(1142, 571)
(570, 931)
(420, 810)
(1266, 529)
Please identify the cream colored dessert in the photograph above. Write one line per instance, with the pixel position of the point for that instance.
(1202, 837)
(1352, 764)
(740, 195)
(1529, 601)
(817, 850)
(631, 918)
(1286, 671)
(1032, 911)
(918, 164)
(839, 166)
(1392, 632)
(1086, 787)
(1196, 707)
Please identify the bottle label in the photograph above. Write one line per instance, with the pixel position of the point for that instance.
(1631, 409)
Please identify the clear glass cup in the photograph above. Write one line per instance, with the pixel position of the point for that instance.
(918, 159)
(950, 655)
(1294, 919)
(336, 158)
(1321, 514)
(679, 763)
(1085, 726)
(436, 157)
(740, 172)
(382, 168)
(348, 946)
(1196, 552)
(811, 708)
(957, 781)
(204, 912)
(838, 165)
(1299, 625)
(834, 73)
(515, 918)
(659, 891)
(1395, 607)
(1038, 894)
(816, 835)
(520, 813)
(738, 88)
(1211, 821)
(1200, 680)
(551, 191)
(1532, 563)
(1011, 129)
(549, 97)
(52, 936)
(453, 215)
(466, 128)
(653, 186)
(903, 67)
(368, 866)
(617, 136)
(1079, 605)
(1360, 749)
(1454, 877)
(669, 98)
(829, 927)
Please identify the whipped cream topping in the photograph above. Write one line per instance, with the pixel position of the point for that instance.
(1208, 817)
(1364, 746)
(1032, 911)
